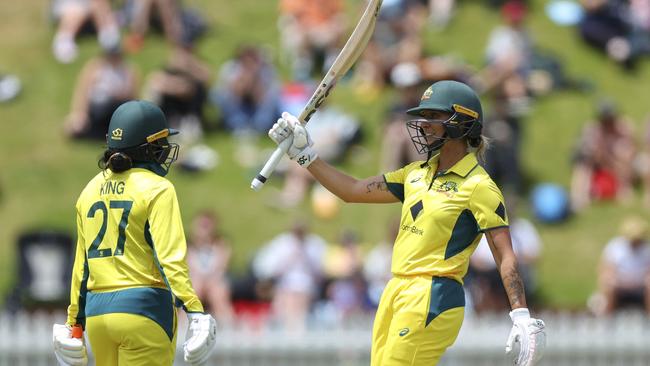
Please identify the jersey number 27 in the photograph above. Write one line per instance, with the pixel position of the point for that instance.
(125, 206)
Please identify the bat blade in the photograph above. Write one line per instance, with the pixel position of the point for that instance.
(343, 62)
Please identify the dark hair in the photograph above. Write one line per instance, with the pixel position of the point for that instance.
(116, 161)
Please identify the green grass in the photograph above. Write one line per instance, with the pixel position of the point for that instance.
(42, 172)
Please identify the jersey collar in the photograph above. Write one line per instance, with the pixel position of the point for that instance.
(462, 168)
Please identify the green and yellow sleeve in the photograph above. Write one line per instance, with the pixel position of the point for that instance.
(487, 206)
(78, 286)
(395, 179)
(167, 238)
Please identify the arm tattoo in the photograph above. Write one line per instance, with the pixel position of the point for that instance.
(379, 185)
(514, 288)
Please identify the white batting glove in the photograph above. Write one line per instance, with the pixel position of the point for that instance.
(69, 351)
(200, 339)
(528, 335)
(288, 128)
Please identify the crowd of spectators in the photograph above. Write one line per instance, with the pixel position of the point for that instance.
(298, 276)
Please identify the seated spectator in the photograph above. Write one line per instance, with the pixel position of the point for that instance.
(345, 290)
(508, 54)
(208, 258)
(639, 12)
(104, 83)
(141, 13)
(606, 28)
(247, 92)
(624, 272)
(73, 16)
(180, 89)
(311, 33)
(294, 262)
(484, 281)
(603, 165)
(397, 38)
(377, 263)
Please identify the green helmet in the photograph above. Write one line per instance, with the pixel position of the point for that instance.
(135, 123)
(138, 130)
(460, 101)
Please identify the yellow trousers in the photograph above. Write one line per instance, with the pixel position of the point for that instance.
(418, 318)
(129, 340)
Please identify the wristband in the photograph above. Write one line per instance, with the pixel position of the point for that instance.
(519, 314)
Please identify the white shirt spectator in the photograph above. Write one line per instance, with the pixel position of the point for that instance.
(632, 264)
(296, 265)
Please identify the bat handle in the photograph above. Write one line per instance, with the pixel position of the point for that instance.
(269, 167)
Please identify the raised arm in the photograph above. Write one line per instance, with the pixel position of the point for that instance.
(347, 188)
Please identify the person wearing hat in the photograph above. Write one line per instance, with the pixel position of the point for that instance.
(448, 203)
(130, 272)
(624, 271)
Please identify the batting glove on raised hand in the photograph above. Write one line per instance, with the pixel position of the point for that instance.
(288, 130)
(528, 335)
(200, 339)
(69, 351)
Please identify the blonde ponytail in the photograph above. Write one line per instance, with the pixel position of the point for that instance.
(481, 149)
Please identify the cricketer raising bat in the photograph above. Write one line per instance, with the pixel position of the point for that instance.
(346, 58)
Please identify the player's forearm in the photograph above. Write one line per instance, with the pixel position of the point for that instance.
(349, 189)
(337, 182)
(512, 282)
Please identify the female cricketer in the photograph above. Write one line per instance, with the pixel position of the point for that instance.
(448, 202)
(129, 271)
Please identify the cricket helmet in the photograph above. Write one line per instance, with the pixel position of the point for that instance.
(140, 130)
(453, 97)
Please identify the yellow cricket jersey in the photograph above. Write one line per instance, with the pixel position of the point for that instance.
(131, 249)
(443, 216)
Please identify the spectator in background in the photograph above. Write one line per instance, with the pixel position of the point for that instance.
(142, 13)
(484, 281)
(603, 163)
(73, 16)
(294, 261)
(104, 83)
(397, 38)
(639, 11)
(606, 27)
(345, 289)
(508, 54)
(208, 258)
(180, 89)
(311, 33)
(624, 272)
(247, 92)
(377, 263)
